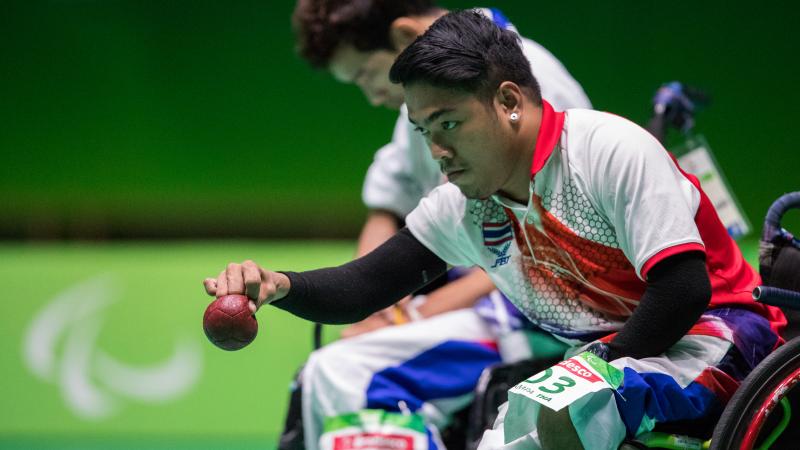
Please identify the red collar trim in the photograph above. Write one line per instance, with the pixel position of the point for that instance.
(549, 135)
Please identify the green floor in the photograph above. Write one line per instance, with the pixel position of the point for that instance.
(132, 442)
(156, 301)
(235, 400)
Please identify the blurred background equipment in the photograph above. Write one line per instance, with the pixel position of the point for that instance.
(674, 108)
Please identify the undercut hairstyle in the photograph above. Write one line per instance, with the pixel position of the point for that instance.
(465, 50)
(320, 26)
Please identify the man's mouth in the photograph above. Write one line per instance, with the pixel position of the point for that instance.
(453, 174)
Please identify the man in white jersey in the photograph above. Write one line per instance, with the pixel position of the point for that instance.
(602, 240)
(403, 171)
(357, 42)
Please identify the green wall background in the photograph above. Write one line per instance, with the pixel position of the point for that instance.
(195, 118)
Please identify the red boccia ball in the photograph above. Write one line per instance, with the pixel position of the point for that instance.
(228, 322)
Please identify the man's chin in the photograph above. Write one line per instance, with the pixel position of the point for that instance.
(472, 194)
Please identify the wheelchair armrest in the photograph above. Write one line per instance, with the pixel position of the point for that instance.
(783, 298)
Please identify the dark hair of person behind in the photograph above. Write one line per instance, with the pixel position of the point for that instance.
(320, 26)
(465, 50)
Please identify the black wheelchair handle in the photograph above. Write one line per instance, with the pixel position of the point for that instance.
(772, 222)
(317, 341)
(773, 296)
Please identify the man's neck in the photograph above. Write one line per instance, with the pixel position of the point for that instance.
(518, 186)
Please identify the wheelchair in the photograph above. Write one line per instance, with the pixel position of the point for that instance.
(758, 416)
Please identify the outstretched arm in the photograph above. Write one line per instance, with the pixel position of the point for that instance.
(379, 227)
(343, 294)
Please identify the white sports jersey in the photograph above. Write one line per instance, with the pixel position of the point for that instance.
(607, 203)
(403, 170)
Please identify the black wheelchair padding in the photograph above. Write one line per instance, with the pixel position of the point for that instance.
(779, 264)
(492, 391)
(293, 437)
(779, 252)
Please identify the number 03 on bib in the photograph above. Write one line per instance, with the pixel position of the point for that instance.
(561, 385)
(568, 381)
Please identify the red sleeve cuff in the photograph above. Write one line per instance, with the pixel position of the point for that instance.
(670, 251)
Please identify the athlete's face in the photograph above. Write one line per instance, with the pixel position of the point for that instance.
(473, 146)
(370, 72)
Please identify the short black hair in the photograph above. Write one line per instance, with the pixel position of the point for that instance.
(465, 50)
(320, 26)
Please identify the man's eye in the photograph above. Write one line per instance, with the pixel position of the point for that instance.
(449, 124)
(422, 131)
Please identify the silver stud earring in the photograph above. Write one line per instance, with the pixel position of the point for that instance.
(514, 117)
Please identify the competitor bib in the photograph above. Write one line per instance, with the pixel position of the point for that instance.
(557, 387)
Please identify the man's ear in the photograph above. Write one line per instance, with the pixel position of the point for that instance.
(509, 97)
(403, 31)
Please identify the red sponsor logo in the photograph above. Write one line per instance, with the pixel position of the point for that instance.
(373, 441)
(580, 370)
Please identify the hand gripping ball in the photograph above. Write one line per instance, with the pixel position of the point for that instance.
(229, 323)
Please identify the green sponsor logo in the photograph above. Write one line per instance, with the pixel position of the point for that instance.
(611, 374)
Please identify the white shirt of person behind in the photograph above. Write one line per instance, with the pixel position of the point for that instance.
(403, 171)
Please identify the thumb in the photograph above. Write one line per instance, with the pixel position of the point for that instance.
(211, 286)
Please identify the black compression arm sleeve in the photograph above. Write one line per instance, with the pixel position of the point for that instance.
(352, 291)
(678, 292)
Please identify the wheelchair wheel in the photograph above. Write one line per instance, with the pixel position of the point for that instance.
(754, 412)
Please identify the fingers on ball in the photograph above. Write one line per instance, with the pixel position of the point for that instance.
(252, 279)
(222, 284)
(235, 279)
(210, 284)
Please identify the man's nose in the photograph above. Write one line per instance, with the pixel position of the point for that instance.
(375, 99)
(439, 151)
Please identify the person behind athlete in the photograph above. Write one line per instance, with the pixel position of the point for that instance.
(614, 248)
(357, 42)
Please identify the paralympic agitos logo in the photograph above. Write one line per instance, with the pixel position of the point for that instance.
(61, 347)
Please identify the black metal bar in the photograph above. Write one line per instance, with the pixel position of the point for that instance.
(772, 221)
(773, 296)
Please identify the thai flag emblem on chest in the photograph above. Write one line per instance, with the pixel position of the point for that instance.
(497, 238)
